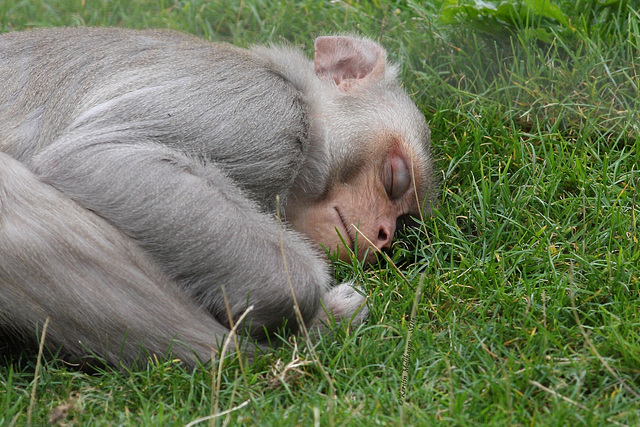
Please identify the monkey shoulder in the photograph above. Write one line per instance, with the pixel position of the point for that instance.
(223, 103)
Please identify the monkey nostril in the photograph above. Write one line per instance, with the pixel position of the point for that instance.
(384, 238)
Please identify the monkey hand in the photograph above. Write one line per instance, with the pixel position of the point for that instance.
(344, 303)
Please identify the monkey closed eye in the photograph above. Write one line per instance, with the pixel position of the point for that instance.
(398, 179)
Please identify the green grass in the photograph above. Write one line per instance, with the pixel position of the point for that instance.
(530, 309)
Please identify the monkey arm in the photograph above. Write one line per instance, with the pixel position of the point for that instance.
(102, 293)
(194, 221)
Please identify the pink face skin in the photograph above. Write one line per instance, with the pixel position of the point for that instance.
(367, 205)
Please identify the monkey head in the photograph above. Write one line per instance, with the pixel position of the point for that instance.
(368, 163)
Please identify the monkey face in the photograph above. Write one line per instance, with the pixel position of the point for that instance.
(359, 212)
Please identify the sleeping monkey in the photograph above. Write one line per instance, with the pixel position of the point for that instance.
(154, 185)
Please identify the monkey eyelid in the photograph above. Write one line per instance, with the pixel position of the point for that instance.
(397, 177)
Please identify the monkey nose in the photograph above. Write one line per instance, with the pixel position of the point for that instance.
(384, 238)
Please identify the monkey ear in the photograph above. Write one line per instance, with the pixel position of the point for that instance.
(349, 61)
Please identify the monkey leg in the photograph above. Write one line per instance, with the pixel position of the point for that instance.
(100, 290)
(196, 223)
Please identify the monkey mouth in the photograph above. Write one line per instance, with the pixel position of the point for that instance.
(348, 238)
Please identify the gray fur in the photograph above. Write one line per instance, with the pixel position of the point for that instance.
(139, 183)
(59, 260)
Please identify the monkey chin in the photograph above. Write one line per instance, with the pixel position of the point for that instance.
(330, 231)
(367, 255)
(323, 223)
